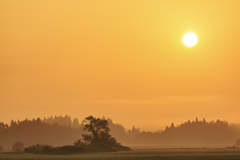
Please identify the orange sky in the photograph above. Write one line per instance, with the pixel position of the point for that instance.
(120, 59)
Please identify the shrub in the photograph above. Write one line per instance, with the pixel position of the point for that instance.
(18, 146)
(47, 149)
(39, 149)
(82, 149)
(95, 147)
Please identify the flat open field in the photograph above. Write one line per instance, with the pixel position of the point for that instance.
(138, 154)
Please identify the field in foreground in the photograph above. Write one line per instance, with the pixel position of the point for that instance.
(137, 154)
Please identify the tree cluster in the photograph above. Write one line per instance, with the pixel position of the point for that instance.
(63, 121)
(35, 131)
(191, 133)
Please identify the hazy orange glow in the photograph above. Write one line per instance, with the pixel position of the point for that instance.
(120, 59)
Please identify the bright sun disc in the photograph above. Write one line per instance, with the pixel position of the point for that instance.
(190, 39)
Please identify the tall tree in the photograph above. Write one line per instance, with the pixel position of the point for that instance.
(99, 131)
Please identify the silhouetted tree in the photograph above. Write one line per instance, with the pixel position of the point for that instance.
(97, 127)
(99, 131)
(18, 146)
(204, 120)
(172, 125)
(196, 119)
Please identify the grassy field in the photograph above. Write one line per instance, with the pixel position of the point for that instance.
(137, 154)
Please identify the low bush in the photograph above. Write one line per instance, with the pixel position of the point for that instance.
(39, 149)
(18, 146)
(82, 149)
(46, 149)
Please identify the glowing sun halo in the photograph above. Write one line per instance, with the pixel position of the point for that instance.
(190, 39)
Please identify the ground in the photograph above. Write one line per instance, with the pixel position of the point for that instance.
(138, 154)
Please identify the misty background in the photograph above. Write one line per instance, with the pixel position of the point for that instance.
(64, 130)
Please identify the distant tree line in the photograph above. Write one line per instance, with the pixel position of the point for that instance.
(63, 121)
(36, 131)
(59, 131)
(195, 133)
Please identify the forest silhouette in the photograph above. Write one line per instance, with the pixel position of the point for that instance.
(60, 131)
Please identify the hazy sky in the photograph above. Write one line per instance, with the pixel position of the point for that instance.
(122, 59)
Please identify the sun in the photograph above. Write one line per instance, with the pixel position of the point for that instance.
(190, 39)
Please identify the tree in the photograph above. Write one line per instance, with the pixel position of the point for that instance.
(18, 146)
(196, 119)
(3, 126)
(204, 120)
(238, 142)
(133, 132)
(75, 123)
(13, 123)
(99, 131)
(172, 125)
(79, 143)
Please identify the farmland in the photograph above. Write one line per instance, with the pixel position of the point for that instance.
(137, 154)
